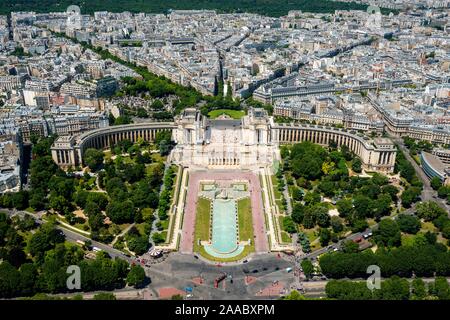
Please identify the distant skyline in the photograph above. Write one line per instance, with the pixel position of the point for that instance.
(307, 155)
(266, 7)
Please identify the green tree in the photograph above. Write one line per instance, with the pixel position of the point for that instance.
(98, 198)
(44, 239)
(294, 295)
(115, 186)
(9, 280)
(418, 289)
(407, 171)
(423, 260)
(138, 245)
(123, 119)
(142, 113)
(444, 192)
(394, 288)
(362, 206)
(297, 194)
(289, 225)
(298, 212)
(307, 267)
(357, 165)
(121, 211)
(93, 158)
(324, 236)
(157, 105)
(440, 288)
(20, 200)
(158, 237)
(429, 210)
(28, 276)
(309, 220)
(312, 198)
(382, 205)
(336, 224)
(59, 204)
(308, 166)
(409, 196)
(408, 223)
(136, 276)
(327, 188)
(388, 233)
(345, 207)
(322, 216)
(436, 183)
(104, 296)
(347, 290)
(350, 246)
(391, 190)
(37, 199)
(96, 221)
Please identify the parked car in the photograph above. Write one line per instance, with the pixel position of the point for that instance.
(368, 235)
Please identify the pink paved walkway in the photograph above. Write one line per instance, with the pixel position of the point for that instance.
(187, 238)
(167, 293)
(272, 290)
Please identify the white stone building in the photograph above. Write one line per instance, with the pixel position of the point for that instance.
(246, 143)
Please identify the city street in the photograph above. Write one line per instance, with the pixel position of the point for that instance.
(428, 194)
(181, 271)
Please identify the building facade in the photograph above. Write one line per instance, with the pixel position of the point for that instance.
(249, 143)
(246, 143)
(11, 158)
(434, 167)
(68, 151)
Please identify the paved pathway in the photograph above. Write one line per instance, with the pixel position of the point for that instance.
(427, 191)
(179, 207)
(287, 197)
(155, 213)
(272, 214)
(187, 239)
(122, 233)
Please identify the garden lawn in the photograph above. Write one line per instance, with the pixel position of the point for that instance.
(235, 114)
(202, 222)
(245, 220)
(285, 237)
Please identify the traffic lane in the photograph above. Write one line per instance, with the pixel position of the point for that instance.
(72, 235)
(337, 245)
(428, 193)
